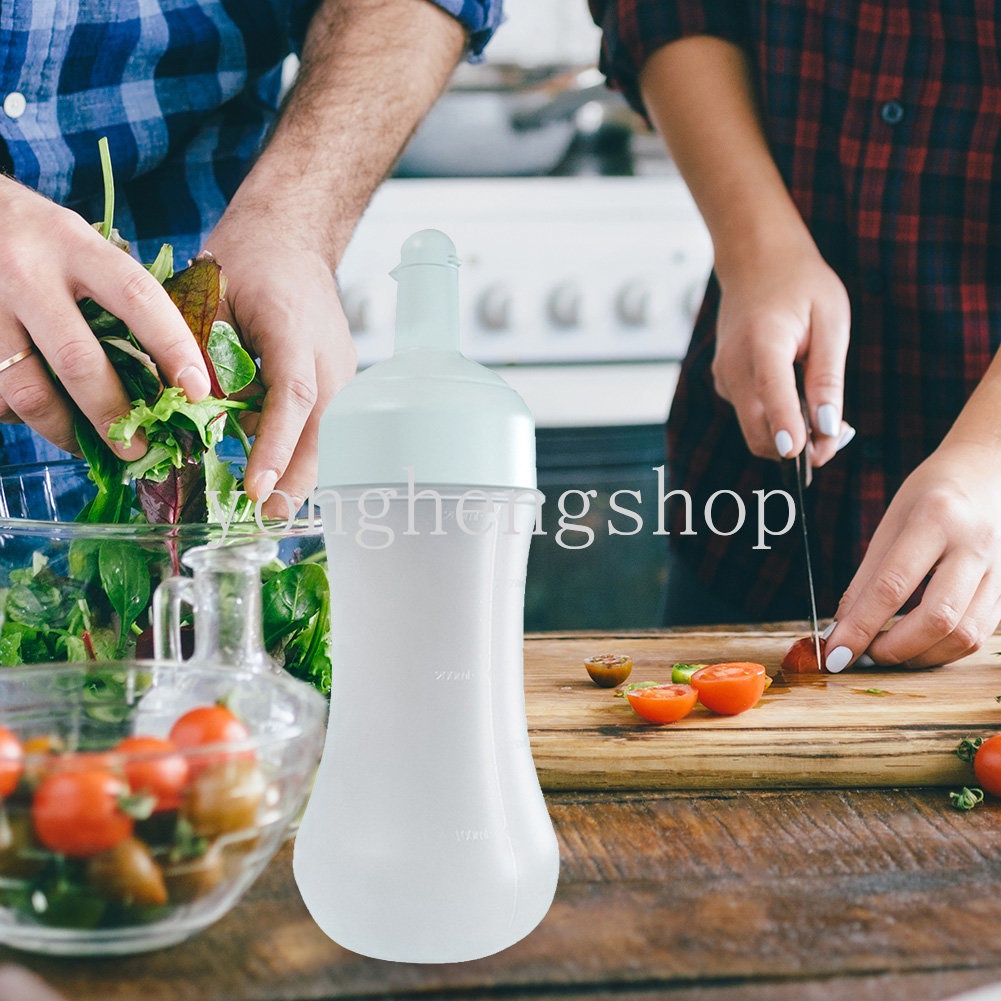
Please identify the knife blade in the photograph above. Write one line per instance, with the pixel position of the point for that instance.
(800, 470)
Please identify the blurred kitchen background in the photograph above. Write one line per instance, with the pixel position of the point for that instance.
(584, 262)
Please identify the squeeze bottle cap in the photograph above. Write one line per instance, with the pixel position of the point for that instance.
(427, 408)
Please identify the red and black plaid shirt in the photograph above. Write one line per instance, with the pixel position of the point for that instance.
(885, 121)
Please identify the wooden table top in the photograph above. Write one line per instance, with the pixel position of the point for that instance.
(735, 895)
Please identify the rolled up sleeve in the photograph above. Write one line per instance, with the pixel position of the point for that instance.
(632, 30)
(480, 18)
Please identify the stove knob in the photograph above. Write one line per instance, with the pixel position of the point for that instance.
(494, 307)
(633, 304)
(565, 305)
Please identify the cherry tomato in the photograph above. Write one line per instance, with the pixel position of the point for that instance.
(662, 703)
(209, 725)
(801, 657)
(224, 797)
(153, 766)
(987, 765)
(78, 813)
(608, 669)
(192, 878)
(11, 761)
(20, 854)
(127, 874)
(731, 688)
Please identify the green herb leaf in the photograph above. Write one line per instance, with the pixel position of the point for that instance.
(206, 418)
(966, 750)
(227, 504)
(234, 368)
(113, 501)
(162, 267)
(967, 799)
(109, 187)
(125, 579)
(290, 599)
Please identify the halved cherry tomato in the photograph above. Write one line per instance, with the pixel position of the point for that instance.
(127, 874)
(209, 725)
(608, 669)
(80, 813)
(801, 657)
(730, 688)
(153, 766)
(987, 765)
(11, 761)
(662, 703)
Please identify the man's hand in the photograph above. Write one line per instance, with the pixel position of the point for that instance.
(50, 259)
(285, 303)
(370, 71)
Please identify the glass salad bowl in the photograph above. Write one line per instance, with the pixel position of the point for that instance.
(77, 591)
(139, 800)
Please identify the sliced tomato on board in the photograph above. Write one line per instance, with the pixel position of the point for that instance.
(987, 765)
(801, 657)
(730, 688)
(662, 703)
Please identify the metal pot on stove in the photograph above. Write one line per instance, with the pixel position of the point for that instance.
(500, 121)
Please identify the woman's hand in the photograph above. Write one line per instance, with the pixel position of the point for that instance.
(945, 521)
(50, 259)
(777, 310)
(281, 296)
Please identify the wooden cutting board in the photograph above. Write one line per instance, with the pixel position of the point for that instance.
(861, 728)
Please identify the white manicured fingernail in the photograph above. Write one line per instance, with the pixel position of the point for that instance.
(846, 436)
(783, 444)
(830, 629)
(864, 660)
(837, 660)
(828, 419)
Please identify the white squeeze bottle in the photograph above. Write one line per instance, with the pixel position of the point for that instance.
(426, 838)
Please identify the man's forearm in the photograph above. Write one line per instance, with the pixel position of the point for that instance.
(698, 93)
(370, 70)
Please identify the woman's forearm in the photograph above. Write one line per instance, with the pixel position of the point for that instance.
(699, 94)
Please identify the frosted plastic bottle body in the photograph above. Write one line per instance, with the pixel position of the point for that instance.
(427, 836)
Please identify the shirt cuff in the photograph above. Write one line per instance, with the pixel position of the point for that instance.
(480, 18)
(632, 30)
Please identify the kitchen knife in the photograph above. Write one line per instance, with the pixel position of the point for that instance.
(797, 474)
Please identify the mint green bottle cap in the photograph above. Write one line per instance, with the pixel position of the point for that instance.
(427, 408)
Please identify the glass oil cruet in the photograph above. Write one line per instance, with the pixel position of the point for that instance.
(225, 597)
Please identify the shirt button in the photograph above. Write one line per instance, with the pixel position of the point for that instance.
(874, 282)
(14, 104)
(892, 112)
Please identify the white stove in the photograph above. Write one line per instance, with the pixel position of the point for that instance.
(580, 291)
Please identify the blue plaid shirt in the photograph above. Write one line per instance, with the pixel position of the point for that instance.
(183, 89)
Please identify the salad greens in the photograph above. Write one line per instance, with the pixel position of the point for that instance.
(97, 606)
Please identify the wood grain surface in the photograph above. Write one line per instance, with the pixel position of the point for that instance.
(838, 895)
(807, 731)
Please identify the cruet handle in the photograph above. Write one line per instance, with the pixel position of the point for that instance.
(168, 599)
